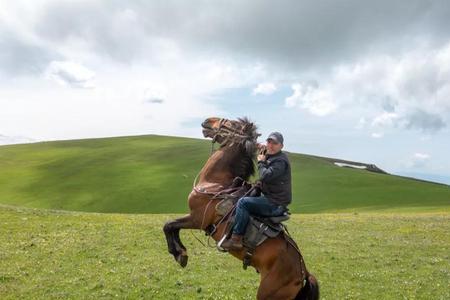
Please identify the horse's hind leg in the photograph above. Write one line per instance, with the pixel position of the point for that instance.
(273, 288)
(281, 281)
(172, 232)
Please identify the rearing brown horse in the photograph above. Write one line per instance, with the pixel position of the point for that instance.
(278, 260)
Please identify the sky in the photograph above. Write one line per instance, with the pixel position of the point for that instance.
(367, 81)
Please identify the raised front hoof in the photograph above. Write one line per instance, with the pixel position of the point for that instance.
(182, 260)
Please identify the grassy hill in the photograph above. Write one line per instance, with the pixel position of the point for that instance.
(154, 174)
(73, 255)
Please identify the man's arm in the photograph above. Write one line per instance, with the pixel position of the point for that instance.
(269, 173)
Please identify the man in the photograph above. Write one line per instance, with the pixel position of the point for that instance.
(275, 178)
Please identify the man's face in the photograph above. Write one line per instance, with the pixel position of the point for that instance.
(273, 147)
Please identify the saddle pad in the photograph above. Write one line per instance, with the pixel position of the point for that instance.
(257, 232)
(224, 206)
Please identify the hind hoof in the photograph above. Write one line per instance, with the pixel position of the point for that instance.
(182, 260)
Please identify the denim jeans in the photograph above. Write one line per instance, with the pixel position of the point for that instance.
(259, 206)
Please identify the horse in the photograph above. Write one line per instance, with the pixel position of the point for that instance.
(283, 273)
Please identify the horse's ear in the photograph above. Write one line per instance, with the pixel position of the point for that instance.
(250, 147)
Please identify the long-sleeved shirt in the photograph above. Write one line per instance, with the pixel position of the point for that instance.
(275, 177)
(268, 173)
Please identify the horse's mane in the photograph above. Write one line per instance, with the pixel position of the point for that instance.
(244, 166)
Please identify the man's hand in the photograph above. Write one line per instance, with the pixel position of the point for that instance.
(261, 157)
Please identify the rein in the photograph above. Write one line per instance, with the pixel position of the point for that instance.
(225, 217)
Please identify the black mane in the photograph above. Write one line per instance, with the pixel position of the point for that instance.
(244, 165)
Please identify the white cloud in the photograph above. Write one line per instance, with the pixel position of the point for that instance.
(317, 101)
(123, 100)
(421, 156)
(385, 119)
(417, 161)
(361, 123)
(267, 88)
(71, 74)
(154, 94)
(377, 135)
(411, 91)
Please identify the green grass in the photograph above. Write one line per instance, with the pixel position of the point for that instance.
(154, 174)
(48, 254)
(387, 236)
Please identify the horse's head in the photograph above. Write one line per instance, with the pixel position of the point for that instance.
(231, 132)
(211, 127)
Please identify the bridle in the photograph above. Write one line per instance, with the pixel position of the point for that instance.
(231, 134)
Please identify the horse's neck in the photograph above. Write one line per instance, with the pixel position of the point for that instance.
(217, 168)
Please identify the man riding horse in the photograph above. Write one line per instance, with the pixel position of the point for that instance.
(278, 260)
(275, 183)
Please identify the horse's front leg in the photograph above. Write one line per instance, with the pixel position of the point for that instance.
(172, 232)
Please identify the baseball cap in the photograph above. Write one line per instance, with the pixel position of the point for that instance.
(276, 136)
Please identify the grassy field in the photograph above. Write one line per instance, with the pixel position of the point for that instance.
(154, 174)
(47, 254)
(364, 235)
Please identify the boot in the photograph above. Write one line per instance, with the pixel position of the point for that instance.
(233, 244)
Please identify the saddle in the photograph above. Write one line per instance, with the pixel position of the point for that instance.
(258, 230)
(261, 228)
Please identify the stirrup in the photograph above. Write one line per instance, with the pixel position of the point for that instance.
(219, 244)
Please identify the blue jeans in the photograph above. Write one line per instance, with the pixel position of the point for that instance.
(259, 206)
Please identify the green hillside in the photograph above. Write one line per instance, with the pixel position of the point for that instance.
(154, 174)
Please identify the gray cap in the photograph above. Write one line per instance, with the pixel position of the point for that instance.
(276, 136)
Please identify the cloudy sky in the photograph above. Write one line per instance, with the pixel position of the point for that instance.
(359, 80)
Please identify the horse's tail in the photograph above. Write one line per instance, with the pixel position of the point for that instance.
(310, 291)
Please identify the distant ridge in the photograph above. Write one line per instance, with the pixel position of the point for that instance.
(368, 167)
(374, 168)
